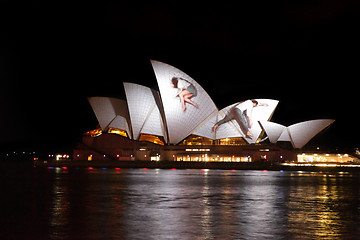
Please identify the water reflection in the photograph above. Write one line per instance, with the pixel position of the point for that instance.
(197, 204)
(207, 211)
(169, 206)
(263, 211)
(60, 208)
(326, 205)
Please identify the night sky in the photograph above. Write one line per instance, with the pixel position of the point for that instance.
(53, 55)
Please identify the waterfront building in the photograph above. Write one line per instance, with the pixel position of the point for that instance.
(180, 122)
(326, 158)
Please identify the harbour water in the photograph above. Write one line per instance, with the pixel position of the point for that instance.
(109, 203)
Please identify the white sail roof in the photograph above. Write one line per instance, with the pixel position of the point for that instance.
(301, 133)
(143, 104)
(205, 129)
(226, 130)
(285, 136)
(181, 123)
(273, 130)
(298, 134)
(231, 129)
(120, 122)
(263, 111)
(111, 112)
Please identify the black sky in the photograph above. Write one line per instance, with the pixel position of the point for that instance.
(54, 55)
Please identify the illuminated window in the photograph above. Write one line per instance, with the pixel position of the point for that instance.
(97, 132)
(94, 133)
(196, 140)
(230, 141)
(264, 150)
(324, 158)
(155, 158)
(117, 131)
(211, 158)
(197, 149)
(151, 138)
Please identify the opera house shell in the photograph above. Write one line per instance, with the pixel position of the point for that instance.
(182, 111)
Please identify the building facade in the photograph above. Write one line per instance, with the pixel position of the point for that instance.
(110, 146)
(180, 122)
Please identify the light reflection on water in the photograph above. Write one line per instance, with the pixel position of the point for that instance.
(180, 204)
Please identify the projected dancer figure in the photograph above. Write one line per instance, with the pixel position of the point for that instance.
(242, 114)
(187, 91)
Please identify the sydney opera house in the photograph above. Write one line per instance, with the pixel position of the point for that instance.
(180, 122)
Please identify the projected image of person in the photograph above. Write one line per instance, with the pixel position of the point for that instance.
(187, 91)
(242, 114)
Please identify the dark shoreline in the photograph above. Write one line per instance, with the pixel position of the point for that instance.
(195, 165)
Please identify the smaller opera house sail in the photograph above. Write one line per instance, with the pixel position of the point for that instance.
(111, 113)
(298, 134)
(145, 110)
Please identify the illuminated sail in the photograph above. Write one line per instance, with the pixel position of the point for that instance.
(181, 123)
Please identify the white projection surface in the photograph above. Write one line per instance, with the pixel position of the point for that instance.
(273, 130)
(263, 111)
(144, 111)
(301, 133)
(231, 129)
(111, 112)
(298, 134)
(180, 122)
